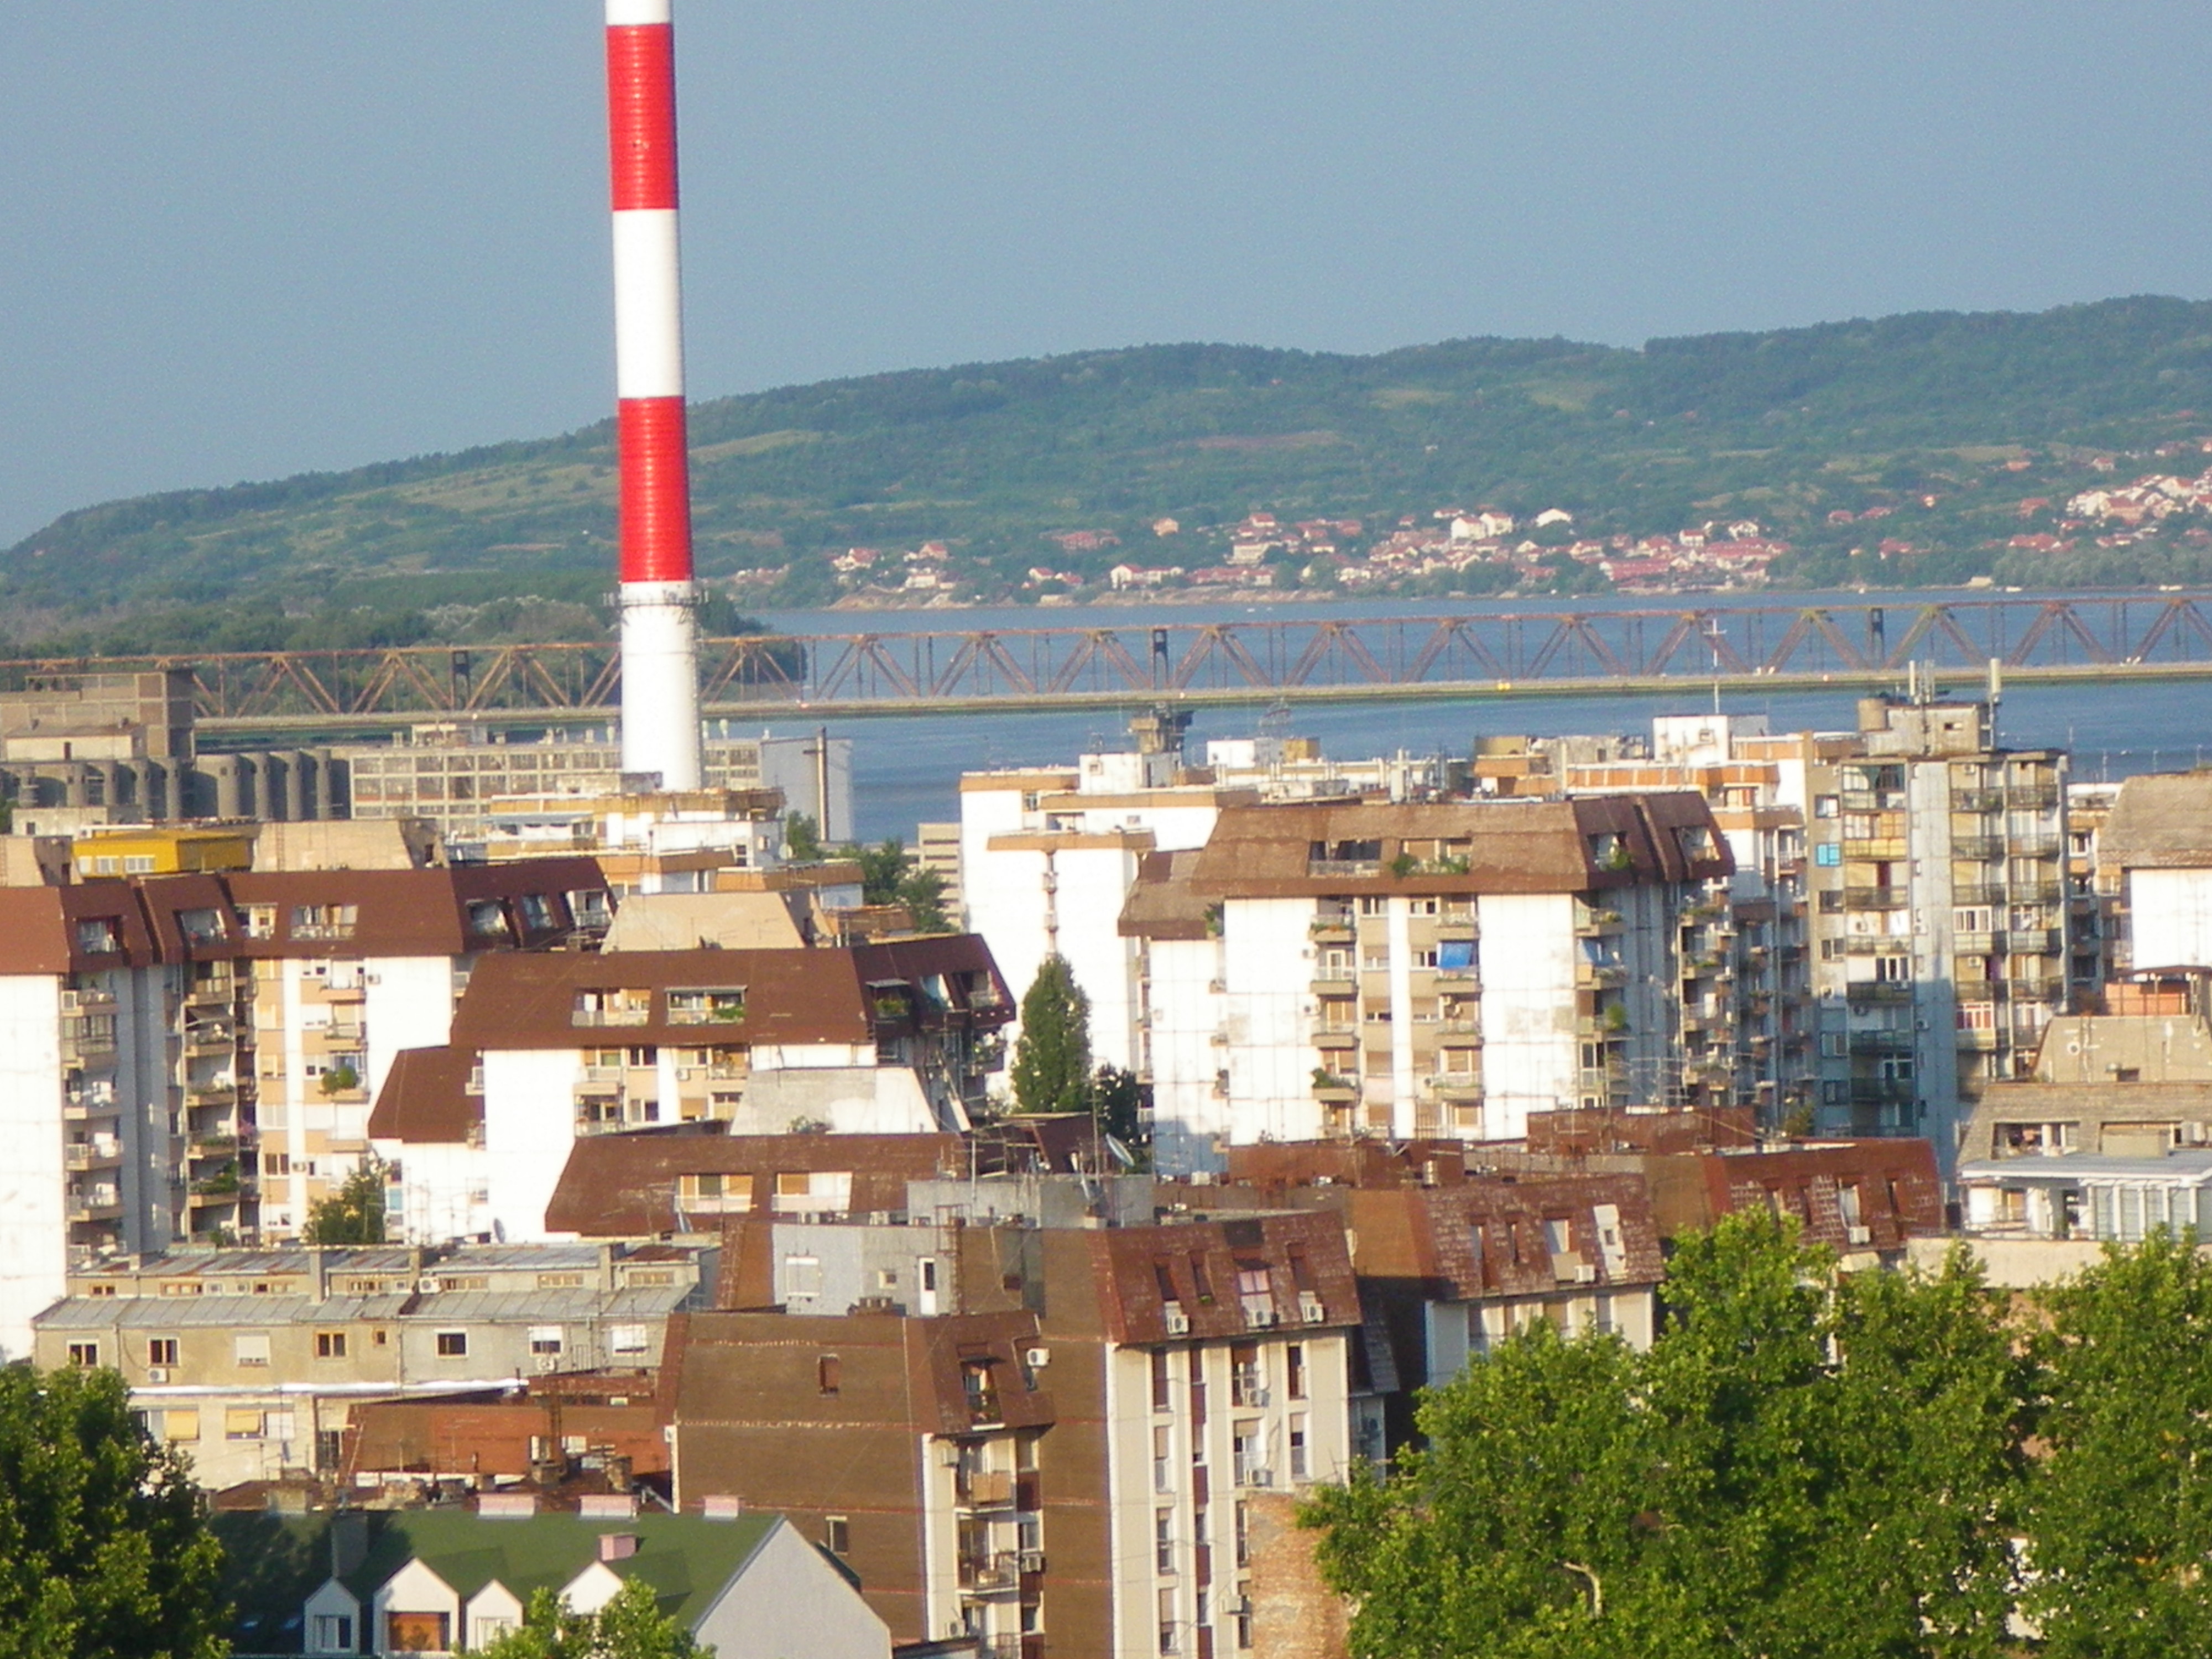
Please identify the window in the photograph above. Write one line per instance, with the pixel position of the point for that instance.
(1298, 1449)
(802, 1277)
(180, 1425)
(826, 1373)
(1162, 1392)
(1163, 1540)
(1893, 970)
(250, 1348)
(837, 1535)
(453, 1345)
(333, 1632)
(331, 1345)
(1170, 1629)
(546, 1339)
(98, 935)
(241, 1425)
(1294, 1367)
(84, 1355)
(161, 1351)
(626, 1339)
(560, 1281)
(487, 919)
(324, 921)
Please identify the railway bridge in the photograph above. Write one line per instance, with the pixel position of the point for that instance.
(1485, 651)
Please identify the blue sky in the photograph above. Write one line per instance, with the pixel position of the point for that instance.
(250, 237)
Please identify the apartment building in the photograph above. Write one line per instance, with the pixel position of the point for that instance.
(191, 1056)
(1415, 970)
(1049, 854)
(1094, 1450)
(251, 1361)
(1938, 880)
(548, 1049)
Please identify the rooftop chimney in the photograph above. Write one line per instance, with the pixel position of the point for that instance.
(658, 601)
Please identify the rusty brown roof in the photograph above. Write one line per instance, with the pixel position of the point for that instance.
(1163, 903)
(1488, 1236)
(1302, 1255)
(1512, 846)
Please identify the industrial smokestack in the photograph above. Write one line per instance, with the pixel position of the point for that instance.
(658, 602)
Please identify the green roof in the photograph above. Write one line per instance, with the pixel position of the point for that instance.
(274, 1564)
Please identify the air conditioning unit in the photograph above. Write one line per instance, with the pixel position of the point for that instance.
(1586, 1273)
(547, 1362)
(1310, 1307)
(948, 1455)
(1037, 1358)
(157, 1373)
(1032, 1561)
(1259, 1315)
(1859, 1235)
(429, 1286)
(1259, 1477)
(1178, 1322)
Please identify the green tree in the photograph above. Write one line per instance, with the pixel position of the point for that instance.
(103, 1546)
(354, 1213)
(1802, 1465)
(804, 837)
(889, 875)
(631, 1627)
(2121, 1525)
(1051, 1069)
(1122, 1098)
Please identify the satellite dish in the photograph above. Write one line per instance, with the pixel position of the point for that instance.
(1120, 1154)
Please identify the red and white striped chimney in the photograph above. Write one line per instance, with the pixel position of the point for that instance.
(658, 603)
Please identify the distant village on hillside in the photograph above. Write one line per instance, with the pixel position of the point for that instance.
(1264, 554)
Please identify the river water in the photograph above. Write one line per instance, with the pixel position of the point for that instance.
(905, 769)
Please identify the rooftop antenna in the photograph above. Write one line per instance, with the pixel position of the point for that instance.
(1714, 636)
(1997, 695)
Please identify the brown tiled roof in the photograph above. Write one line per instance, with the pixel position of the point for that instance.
(2163, 821)
(1430, 1233)
(1516, 846)
(1163, 903)
(796, 996)
(420, 912)
(1900, 1196)
(40, 928)
(1200, 1260)
(426, 1098)
(624, 1186)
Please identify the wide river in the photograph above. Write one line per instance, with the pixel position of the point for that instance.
(905, 769)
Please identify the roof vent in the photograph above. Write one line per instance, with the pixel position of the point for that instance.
(507, 1505)
(607, 1506)
(722, 1508)
(618, 1545)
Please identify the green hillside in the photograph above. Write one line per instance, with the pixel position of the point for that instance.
(1786, 427)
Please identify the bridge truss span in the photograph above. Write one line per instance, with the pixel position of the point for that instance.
(1282, 654)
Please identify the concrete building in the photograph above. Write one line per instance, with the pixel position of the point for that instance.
(1416, 970)
(454, 775)
(251, 1361)
(78, 751)
(547, 1049)
(1095, 1450)
(744, 1586)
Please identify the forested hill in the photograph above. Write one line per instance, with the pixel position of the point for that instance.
(1786, 427)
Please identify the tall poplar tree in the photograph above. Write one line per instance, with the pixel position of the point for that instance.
(1051, 1071)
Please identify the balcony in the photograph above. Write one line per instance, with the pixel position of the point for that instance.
(1336, 1037)
(1977, 944)
(1877, 898)
(1877, 849)
(1456, 1085)
(1881, 1042)
(2031, 941)
(1877, 991)
(2036, 847)
(1335, 983)
(1881, 1091)
(1977, 800)
(987, 1489)
(1349, 869)
(1466, 1025)
(1981, 1040)
(1601, 976)
(1331, 933)
(992, 1575)
(1591, 920)
(1978, 849)
(1332, 1087)
(1457, 927)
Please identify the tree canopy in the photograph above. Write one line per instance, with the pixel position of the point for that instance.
(104, 1548)
(1051, 1069)
(631, 1627)
(1803, 1465)
(353, 1214)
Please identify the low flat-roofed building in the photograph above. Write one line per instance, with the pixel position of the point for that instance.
(251, 1361)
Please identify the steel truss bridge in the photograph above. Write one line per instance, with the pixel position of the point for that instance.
(1284, 657)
